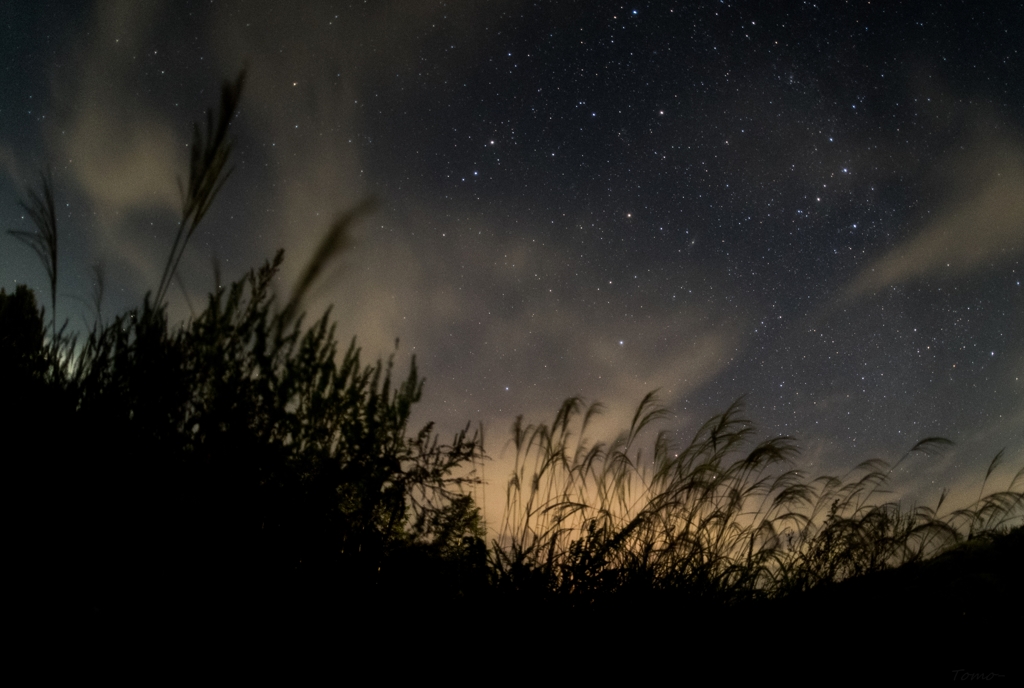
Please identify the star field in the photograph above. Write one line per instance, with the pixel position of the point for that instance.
(817, 205)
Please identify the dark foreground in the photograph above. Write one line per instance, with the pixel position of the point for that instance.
(954, 618)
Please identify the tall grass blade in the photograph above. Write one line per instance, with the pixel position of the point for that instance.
(991, 467)
(42, 210)
(335, 242)
(210, 153)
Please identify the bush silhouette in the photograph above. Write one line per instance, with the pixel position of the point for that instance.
(232, 454)
(234, 462)
(21, 336)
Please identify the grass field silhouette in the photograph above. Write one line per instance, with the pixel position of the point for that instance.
(239, 466)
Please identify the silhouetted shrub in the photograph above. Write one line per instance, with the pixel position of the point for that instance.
(234, 462)
(235, 454)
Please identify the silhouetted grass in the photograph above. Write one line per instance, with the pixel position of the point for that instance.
(41, 209)
(719, 520)
(206, 177)
(239, 465)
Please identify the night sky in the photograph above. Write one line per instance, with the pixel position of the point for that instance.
(817, 205)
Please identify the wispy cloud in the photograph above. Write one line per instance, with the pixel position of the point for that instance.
(980, 225)
(120, 152)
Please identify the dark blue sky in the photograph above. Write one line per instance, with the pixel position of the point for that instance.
(815, 205)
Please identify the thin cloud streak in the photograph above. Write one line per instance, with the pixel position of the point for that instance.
(982, 227)
(121, 154)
